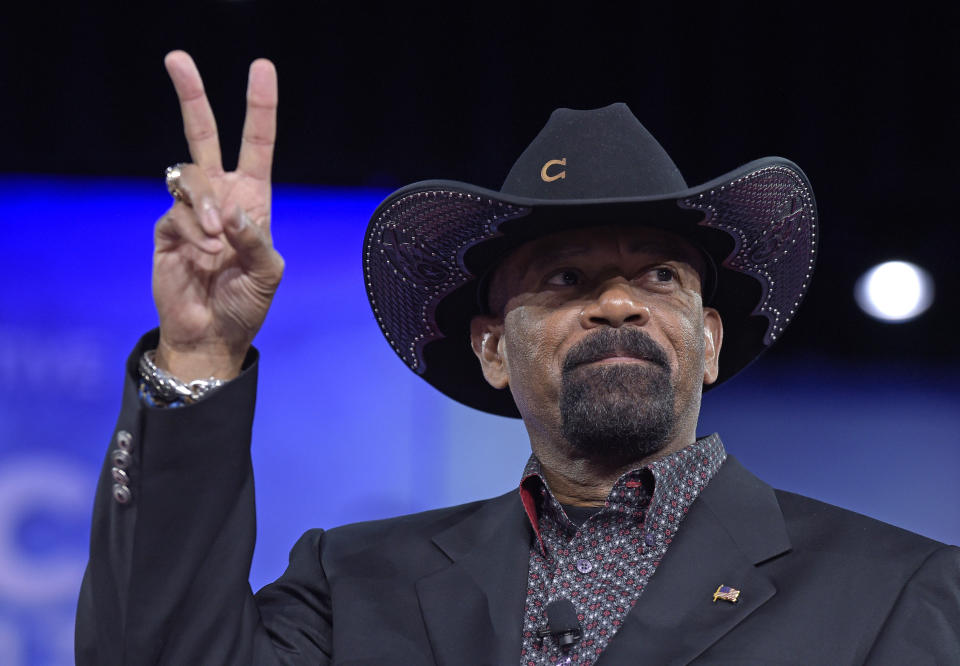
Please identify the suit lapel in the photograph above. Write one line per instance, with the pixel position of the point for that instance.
(734, 525)
(472, 609)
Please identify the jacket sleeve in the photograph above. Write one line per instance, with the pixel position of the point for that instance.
(924, 625)
(171, 544)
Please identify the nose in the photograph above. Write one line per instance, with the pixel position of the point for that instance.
(616, 304)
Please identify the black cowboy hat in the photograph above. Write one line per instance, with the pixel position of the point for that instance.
(430, 246)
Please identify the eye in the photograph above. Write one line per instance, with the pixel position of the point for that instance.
(566, 277)
(664, 274)
(661, 276)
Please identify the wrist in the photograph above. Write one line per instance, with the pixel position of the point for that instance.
(200, 361)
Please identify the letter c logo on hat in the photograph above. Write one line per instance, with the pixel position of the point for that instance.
(549, 179)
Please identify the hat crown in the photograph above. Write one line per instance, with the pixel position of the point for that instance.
(593, 154)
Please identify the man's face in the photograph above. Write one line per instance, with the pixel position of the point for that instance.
(603, 340)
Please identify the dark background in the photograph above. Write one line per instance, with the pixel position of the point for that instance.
(864, 100)
(852, 411)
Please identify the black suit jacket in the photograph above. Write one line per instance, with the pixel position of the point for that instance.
(167, 577)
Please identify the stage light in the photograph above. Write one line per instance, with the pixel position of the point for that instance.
(894, 291)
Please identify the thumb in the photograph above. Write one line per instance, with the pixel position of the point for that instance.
(254, 249)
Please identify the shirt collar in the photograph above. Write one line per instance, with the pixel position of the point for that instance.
(635, 491)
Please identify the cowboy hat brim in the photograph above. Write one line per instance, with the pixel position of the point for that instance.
(429, 246)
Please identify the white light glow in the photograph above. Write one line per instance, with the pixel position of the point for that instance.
(894, 291)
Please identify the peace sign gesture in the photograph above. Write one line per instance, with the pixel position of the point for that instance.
(214, 266)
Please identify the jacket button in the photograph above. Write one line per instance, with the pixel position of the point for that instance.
(121, 493)
(120, 458)
(120, 476)
(124, 440)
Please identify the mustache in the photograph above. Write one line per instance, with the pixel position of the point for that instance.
(609, 342)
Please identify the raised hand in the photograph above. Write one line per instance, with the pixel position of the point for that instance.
(215, 269)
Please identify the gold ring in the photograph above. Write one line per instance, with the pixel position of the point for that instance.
(173, 181)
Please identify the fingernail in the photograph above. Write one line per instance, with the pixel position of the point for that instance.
(239, 219)
(211, 218)
(211, 245)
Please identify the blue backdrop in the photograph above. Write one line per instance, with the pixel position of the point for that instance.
(344, 431)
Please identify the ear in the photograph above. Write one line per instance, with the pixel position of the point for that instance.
(712, 340)
(486, 336)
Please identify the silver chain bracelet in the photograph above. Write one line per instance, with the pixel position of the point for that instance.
(170, 389)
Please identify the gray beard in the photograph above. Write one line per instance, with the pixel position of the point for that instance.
(617, 414)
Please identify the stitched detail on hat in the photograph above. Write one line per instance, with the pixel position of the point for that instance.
(421, 238)
(769, 213)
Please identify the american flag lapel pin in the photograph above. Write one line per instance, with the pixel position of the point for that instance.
(726, 593)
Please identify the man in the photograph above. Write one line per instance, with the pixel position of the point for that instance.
(596, 296)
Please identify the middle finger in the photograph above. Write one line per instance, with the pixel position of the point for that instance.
(199, 125)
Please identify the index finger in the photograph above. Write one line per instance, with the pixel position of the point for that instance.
(199, 125)
(260, 124)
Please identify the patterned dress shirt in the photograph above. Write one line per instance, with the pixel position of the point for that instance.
(603, 565)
